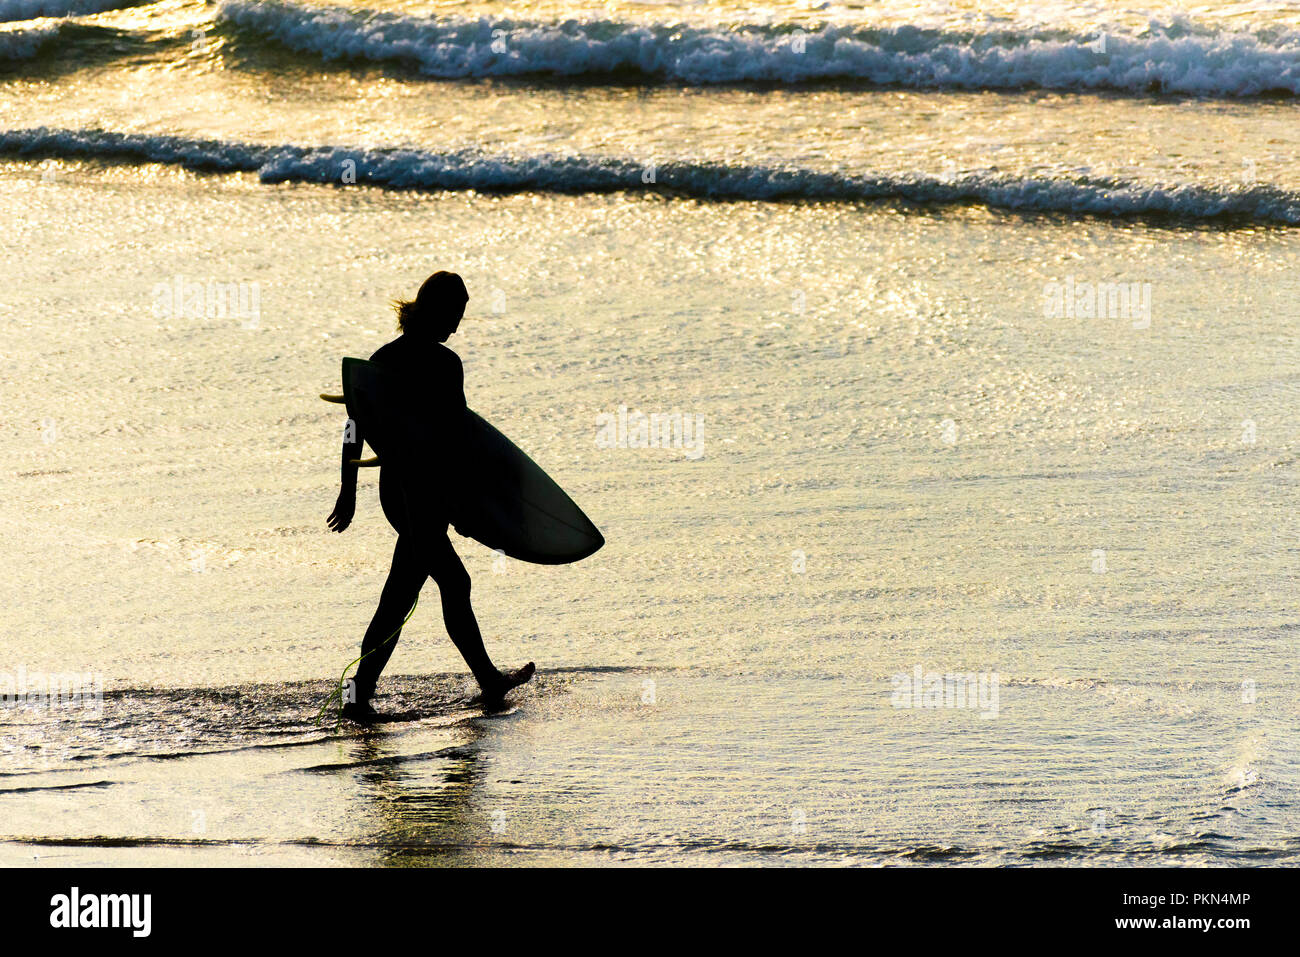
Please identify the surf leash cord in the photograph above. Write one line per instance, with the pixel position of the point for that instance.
(337, 693)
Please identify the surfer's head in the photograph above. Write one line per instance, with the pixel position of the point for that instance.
(437, 308)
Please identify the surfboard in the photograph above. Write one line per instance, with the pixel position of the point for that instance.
(501, 498)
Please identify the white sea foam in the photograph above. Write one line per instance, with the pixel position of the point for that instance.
(31, 9)
(572, 173)
(1180, 57)
(23, 44)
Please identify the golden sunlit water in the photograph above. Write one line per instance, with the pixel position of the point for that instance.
(991, 339)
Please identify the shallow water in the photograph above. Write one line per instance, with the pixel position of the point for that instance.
(907, 463)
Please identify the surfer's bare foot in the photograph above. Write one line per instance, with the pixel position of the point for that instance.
(496, 690)
(360, 712)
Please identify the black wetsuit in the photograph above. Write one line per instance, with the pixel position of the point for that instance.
(433, 378)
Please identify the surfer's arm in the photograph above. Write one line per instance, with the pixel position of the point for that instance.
(346, 504)
(352, 445)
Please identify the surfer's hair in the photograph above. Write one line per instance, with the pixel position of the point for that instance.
(405, 309)
(441, 293)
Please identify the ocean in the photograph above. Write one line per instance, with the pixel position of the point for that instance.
(978, 545)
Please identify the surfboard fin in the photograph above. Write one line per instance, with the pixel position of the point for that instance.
(370, 463)
(332, 398)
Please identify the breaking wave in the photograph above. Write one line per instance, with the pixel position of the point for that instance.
(1180, 57)
(414, 169)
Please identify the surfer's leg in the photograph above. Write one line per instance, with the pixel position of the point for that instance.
(454, 586)
(425, 517)
(446, 568)
(405, 579)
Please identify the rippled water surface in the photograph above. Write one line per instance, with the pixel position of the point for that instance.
(914, 463)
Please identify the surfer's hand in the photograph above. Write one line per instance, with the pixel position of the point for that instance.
(344, 509)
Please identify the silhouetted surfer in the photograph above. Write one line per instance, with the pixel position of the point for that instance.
(433, 379)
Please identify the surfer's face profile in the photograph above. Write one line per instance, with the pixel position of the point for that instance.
(449, 322)
(438, 324)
